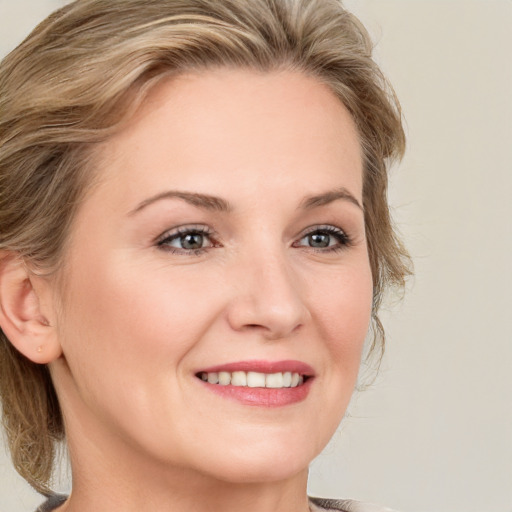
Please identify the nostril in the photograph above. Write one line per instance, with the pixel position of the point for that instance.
(271, 307)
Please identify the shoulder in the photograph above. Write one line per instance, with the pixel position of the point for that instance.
(322, 504)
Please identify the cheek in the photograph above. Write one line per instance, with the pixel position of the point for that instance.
(341, 313)
(343, 310)
(125, 333)
(137, 312)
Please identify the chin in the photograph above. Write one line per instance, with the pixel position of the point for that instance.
(277, 468)
(262, 461)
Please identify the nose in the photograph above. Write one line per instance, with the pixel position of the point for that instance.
(267, 299)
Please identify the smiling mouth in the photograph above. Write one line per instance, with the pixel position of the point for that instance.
(260, 383)
(252, 379)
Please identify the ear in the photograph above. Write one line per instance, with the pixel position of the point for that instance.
(21, 317)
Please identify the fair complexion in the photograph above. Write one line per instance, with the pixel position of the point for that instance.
(225, 234)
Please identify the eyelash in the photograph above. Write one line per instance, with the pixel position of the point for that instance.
(168, 237)
(341, 237)
(163, 242)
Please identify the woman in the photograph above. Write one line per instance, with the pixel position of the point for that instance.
(195, 238)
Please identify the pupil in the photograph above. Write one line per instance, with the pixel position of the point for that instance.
(319, 240)
(192, 241)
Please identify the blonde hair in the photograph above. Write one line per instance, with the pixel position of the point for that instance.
(88, 67)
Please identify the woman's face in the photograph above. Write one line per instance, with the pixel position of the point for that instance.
(223, 241)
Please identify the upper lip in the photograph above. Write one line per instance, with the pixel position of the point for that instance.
(262, 366)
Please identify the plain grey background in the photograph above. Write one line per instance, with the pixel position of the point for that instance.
(434, 433)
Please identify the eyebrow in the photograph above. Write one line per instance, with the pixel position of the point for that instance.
(204, 201)
(328, 197)
(214, 203)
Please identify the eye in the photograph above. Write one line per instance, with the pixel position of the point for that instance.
(324, 238)
(187, 240)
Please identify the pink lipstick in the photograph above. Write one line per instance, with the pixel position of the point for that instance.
(260, 383)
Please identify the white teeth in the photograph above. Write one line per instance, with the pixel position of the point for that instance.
(274, 380)
(239, 379)
(224, 378)
(213, 378)
(254, 379)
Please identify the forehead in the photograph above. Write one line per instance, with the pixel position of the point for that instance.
(200, 127)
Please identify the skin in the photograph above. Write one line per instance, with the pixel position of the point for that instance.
(137, 320)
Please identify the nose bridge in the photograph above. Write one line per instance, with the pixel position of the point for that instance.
(268, 296)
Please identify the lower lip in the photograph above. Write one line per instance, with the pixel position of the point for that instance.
(262, 397)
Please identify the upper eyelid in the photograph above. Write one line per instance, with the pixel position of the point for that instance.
(164, 241)
(211, 233)
(320, 227)
(343, 237)
(315, 227)
(185, 228)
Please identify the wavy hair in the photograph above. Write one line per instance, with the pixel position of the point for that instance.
(88, 67)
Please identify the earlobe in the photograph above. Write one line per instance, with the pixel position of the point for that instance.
(21, 318)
